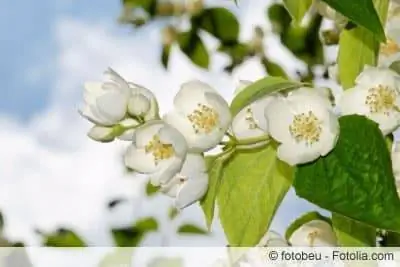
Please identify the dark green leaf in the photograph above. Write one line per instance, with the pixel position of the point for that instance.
(149, 6)
(165, 55)
(391, 239)
(132, 236)
(219, 22)
(259, 89)
(191, 229)
(395, 66)
(352, 233)
(279, 17)
(355, 179)
(254, 182)
(193, 47)
(151, 189)
(361, 12)
(297, 9)
(63, 238)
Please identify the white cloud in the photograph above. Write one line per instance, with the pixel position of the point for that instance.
(52, 174)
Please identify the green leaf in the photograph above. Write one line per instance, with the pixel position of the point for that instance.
(259, 89)
(279, 17)
(166, 49)
(361, 12)
(254, 183)
(63, 238)
(191, 229)
(214, 167)
(351, 233)
(355, 179)
(147, 5)
(395, 66)
(391, 239)
(151, 189)
(272, 68)
(297, 9)
(193, 47)
(358, 47)
(132, 236)
(219, 22)
(305, 218)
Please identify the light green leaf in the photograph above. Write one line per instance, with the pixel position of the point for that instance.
(358, 47)
(214, 167)
(305, 218)
(352, 233)
(297, 9)
(259, 89)
(355, 179)
(132, 236)
(191, 229)
(193, 47)
(254, 183)
(219, 22)
(272, 68)
(151, 189)
(63, 238)
(361, 12)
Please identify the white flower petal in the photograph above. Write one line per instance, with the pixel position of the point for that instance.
(128, 135)
(272, 239)
(112, 106)
(373, 76)
(387, 122)
(170, 135)
(258, 110)
(138, 160)
(279, 118)
(352, 101)
(152, 113)
(102, 134)
(218, 103)
(166, 171)
(192, 190)
(329, 135)
(129, 122)
(144, 134)
(241, 128)
(180, 122)
(191, 94)
(298, 153)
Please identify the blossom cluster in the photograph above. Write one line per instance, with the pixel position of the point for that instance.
(170, 148)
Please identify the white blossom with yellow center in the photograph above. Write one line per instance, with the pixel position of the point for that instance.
(390, 50)
(304, 124)
(190, 184)
(396, 165)
(250, 122)
(158, 150)
(200, 114)
(315, 233)
(375, 95)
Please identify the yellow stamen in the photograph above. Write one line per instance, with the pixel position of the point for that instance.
(204, 119)
(381, 99)
(159, 150)
(306, 127)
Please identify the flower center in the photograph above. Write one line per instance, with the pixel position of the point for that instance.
(381, 99)
(159, 150)
(250, 119)
(306, 127)
(204, 119)
(312, 236)
(389, 48)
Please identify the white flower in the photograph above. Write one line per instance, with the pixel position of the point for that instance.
(304, 124)
(396, 164)
(142, 103)
(129, 126)
(272, 239)
(250, 122)
(375, 95)
(106, 103)
(201, 115)
(315, 233)
(190, 184)
(157, 149)
(390, 51)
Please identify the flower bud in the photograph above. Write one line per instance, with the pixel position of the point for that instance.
(168, 35)
(101, 134)
(138, 105)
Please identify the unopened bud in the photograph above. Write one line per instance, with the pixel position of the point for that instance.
(169, 35)
(101, 133)
(138, 105)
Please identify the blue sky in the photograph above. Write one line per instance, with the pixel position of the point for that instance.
(51, 173)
